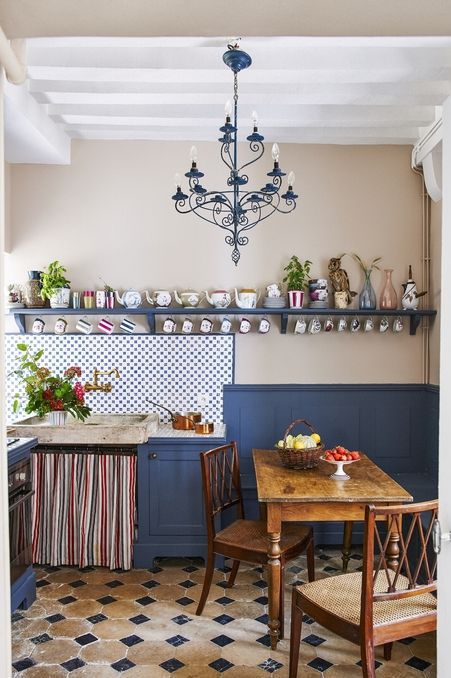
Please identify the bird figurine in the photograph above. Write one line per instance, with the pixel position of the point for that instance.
(339, 278)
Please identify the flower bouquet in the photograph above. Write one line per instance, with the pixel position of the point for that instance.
(46, 393)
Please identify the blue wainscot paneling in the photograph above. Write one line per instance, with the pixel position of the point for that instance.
(396, 425)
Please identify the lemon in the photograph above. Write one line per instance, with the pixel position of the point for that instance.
(316, 437)
(280, 443)
(299, 445)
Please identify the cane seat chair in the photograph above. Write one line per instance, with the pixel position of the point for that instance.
(242, 540)
(390, 599)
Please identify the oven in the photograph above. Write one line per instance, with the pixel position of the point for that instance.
(20, 517)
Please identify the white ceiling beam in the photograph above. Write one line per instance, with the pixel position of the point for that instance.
(266, 76)
(31, 135)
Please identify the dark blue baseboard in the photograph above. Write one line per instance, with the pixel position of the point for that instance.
(396, 425)
(23, 590)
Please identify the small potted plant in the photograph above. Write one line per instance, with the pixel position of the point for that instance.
(109, 295)
(48, 394)
(55, 286)
(297, 277)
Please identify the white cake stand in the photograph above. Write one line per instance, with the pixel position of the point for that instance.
(340, 473)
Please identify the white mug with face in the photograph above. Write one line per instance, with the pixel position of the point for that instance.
(300, 326)
(187, 326)
(38, 326)
(60, 326)
(226, 325)
(169, 326)
(369, 325)
(342, 324)
(264, 326)
(206, 326)
(245, 326)
(328, 324)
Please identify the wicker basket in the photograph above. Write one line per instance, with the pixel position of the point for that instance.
(300, 460)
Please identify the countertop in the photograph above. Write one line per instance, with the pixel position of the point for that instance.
(166, 431)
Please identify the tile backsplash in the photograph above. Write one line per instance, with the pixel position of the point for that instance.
(171, 370)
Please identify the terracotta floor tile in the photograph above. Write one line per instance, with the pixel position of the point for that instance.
(82, 608)
(55, 591)
(69, 628)
(151, 652)
(152, 671)
(94, 671)
(30, 628)
(112, 629)
(102, 651)
(189, 653)
(44, 671)
(56, 651)
(122, 609)
(130, 591)
(92, 592)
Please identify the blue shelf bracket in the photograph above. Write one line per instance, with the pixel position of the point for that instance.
(283, 323)
(151, 322)
(20, 322)
(415, 320)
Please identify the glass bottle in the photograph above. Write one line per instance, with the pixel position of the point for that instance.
(367, 297)
(388, 298)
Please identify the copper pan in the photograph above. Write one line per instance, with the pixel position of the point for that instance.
(204, 427)
(181, 421)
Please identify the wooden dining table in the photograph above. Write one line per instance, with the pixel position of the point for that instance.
(312, 495)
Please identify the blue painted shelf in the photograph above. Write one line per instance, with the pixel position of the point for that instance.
(283, 313)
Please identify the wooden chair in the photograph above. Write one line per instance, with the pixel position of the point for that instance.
(388, 600)
(242, 540)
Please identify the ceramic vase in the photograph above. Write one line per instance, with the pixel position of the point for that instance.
(32, 290)
(367, 297)
(388, 298)
(61, 298)
(57, 418)
(296, 298)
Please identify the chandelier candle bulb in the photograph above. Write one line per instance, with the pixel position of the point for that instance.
(254, 118)
(177, 180)
(228, 108)
(193, 154)
(275, 152)
(291, 179)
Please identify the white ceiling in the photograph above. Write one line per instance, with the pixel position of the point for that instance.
(381, 90)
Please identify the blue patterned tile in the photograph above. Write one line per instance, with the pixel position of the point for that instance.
(172, 665)
(221, 665)
(270, 665)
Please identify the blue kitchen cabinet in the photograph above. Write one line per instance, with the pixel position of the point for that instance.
(170, 502)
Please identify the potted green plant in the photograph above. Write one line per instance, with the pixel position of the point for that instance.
(55, 285)
(297, 277)
(46, 393)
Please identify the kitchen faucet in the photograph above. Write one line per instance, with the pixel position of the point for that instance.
(104, 388)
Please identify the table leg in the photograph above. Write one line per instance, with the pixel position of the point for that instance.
(347, 543)
(274, 572)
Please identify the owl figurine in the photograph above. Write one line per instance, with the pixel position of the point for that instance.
(339, 278)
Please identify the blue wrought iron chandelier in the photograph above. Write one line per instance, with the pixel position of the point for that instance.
(236, 209)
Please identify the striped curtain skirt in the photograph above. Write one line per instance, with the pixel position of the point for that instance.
(83, 508)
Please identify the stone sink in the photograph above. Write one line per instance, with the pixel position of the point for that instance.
(98, 429)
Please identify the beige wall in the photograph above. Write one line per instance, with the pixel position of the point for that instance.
(109, 215)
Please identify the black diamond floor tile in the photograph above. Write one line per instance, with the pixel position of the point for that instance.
(43, 638)
(88, 568)
(270, 665)
(376, 663)
(222, 584)
(223, 619)
(263, 600)
(86, 639)
(24, 664)
(16, 616)
(181, 619)
(175, 641)
(146, 600)
(172, 665)
(151, 584)
(123, 665)
(155, 570)
(307, 620)
(330, 570)
(265, 640)
(187, 584)
(295, 568)
(72, 664)
(224, 569)
(184, 601)
(53, 618)
(106, 600)
(418, 663)
(314, 640)
(406, 641)
(41, 583)
(131, 640)
(224, 600)
(221, 665)
(97, 618)
(324, 556)
(320, 664)
(51, 568)
(66, 600)
(260, 583)
(263, 619)
(139, 619)
(77, 583)
(190, 568)
(114, 584)
(222, 640)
